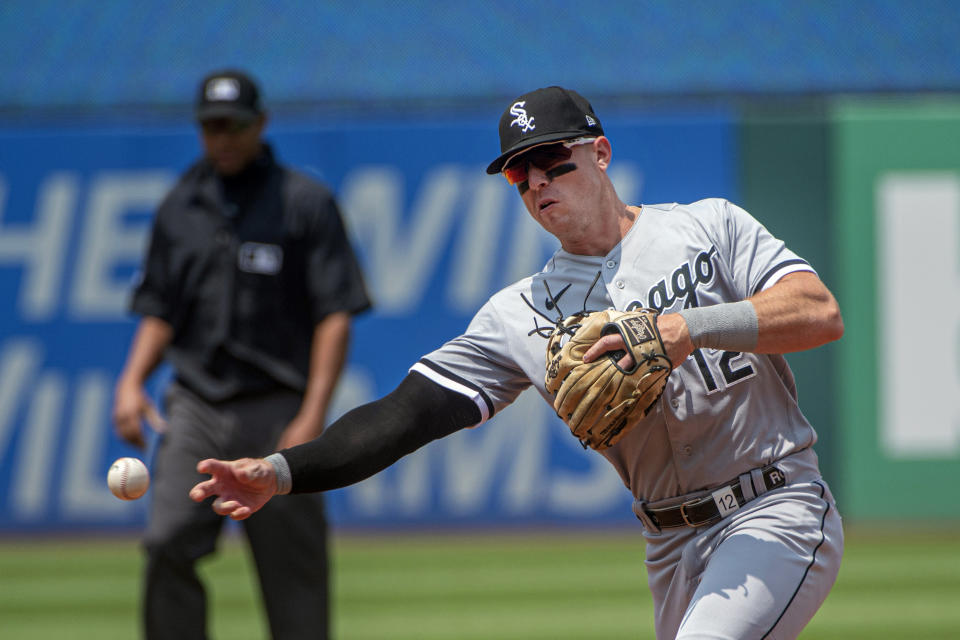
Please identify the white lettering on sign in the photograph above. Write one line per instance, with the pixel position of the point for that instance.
(403, 251)
(83, 491)
(108, 242)
(478, 246)
(511, 455)
(504, 466)
(400, 260)
(497, 242)
(59, 464)
(20, 361)
(918, 285)
(85, 232)
(35, 464)
(41, 246)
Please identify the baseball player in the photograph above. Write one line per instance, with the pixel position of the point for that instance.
(743, 539)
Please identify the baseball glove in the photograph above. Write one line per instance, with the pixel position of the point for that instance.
(598, 400)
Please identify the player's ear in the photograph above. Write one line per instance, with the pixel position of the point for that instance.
(601, 146)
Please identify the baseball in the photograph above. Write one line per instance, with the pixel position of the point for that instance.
(128, 478)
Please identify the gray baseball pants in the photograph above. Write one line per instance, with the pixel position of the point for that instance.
(761, 572)
(288, 537)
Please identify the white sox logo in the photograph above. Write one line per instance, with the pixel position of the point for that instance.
(522, 120)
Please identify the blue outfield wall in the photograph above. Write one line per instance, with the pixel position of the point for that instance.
(153, 52)
(436, 236)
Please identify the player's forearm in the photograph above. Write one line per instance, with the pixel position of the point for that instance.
(146, 351)
(371, 437)
(797, 313)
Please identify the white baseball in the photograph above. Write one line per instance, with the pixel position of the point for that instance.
(128, 478)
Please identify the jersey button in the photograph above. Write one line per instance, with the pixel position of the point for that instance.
(675, 403)
(687, 450)
(620, 284)
(611, 264)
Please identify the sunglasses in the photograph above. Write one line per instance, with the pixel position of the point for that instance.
(515, 170)
(225, 125)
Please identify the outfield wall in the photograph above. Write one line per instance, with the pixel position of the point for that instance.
(897, 233)
(835, 179)
(433, 231)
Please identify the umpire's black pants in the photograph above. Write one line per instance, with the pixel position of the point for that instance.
(287, 536)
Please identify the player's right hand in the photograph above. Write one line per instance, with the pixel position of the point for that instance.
(676, 337)
(241, 486)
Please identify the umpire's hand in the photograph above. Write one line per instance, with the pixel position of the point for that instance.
(241, 486)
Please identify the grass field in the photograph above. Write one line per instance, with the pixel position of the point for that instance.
(564, 586)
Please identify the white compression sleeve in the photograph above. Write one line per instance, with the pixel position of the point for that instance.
(731, 326)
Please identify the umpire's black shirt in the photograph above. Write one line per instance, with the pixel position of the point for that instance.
(243, 268)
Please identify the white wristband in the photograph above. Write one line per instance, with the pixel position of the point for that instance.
(731, 326)
(282, 469)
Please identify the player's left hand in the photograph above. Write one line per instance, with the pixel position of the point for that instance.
(241, 486)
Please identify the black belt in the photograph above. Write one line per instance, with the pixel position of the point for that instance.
(715, 505)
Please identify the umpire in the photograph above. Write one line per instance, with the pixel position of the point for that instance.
(248, 290)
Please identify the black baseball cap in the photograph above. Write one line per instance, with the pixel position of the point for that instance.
(544, 115)
(228, 94)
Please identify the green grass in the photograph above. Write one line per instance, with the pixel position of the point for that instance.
(431, 586)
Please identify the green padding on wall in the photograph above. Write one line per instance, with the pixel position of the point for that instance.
(897, 196)
(785, 184)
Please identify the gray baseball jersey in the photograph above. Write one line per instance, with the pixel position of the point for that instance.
(764, 569)
(721, 414)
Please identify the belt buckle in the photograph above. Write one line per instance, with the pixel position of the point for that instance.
(683, 512)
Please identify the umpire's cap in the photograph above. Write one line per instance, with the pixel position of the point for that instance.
(228, 94)
(544, 115)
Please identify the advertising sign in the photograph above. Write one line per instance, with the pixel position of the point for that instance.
(433, 232)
